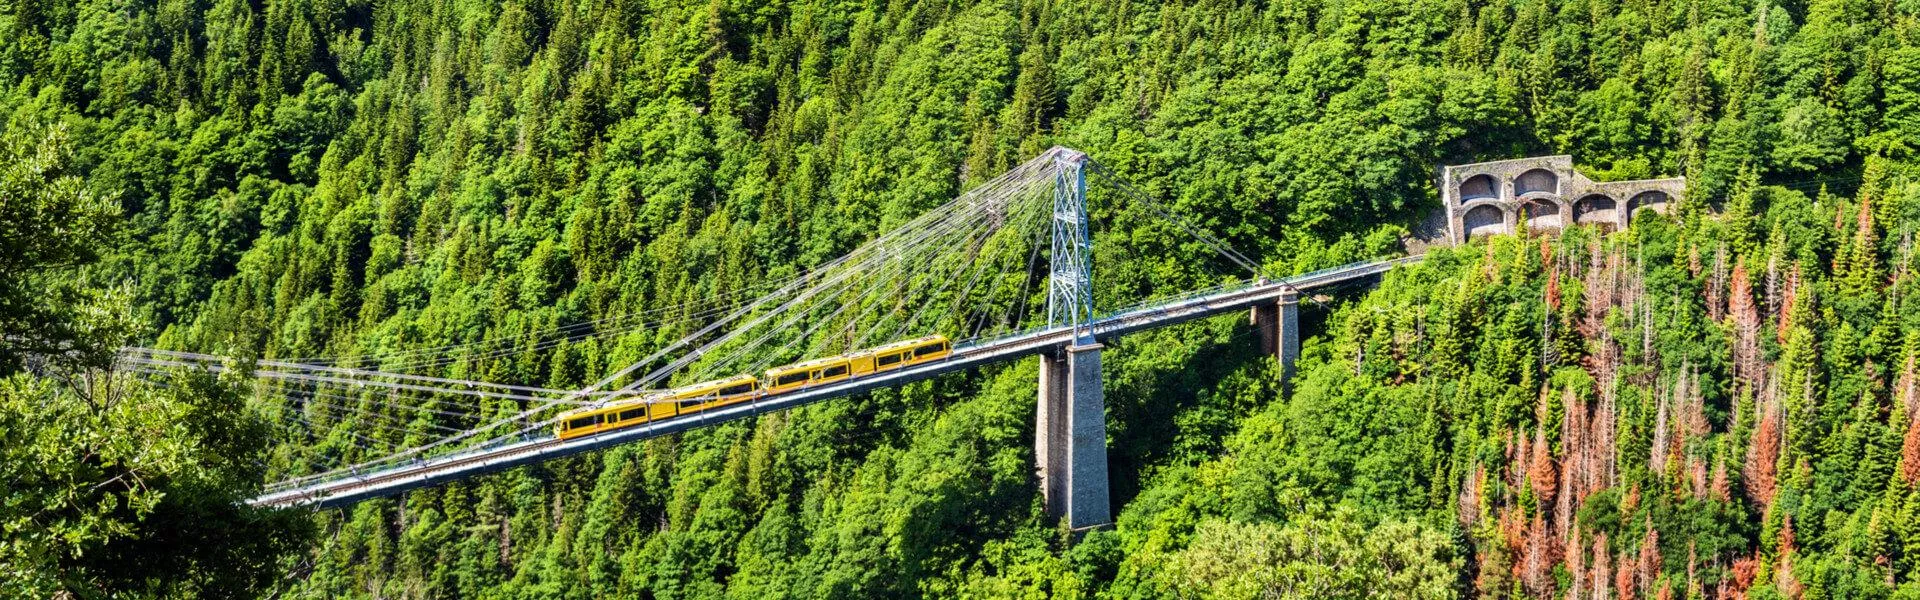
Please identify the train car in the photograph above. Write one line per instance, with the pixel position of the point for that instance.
(672, 403)
(865, 362)
(596, 420)
(904, 353)
(709, 395)
(814, 372)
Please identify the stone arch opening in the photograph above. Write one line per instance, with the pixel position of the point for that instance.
(1478, 187)
(1652, 200)
(1536, 180)
(1598, 209)
(1542, 215)
(1484, 220)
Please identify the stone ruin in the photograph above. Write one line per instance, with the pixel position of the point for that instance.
(1546, 194)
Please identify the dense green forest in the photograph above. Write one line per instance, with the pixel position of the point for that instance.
(1721, 404)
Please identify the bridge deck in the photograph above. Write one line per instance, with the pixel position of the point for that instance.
(488, 460)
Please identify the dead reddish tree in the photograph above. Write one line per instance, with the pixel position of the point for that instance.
(1649, 558)
(1747, 362)
(1763, 452)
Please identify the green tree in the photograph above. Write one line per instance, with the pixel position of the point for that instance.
(111, 486)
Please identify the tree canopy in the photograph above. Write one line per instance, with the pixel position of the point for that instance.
(1712, 404)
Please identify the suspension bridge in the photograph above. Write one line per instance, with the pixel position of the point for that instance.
(976, 267)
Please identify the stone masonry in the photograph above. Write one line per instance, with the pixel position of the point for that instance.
(1546, 194)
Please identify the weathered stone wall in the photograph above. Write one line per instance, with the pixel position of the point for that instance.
(1547, 194)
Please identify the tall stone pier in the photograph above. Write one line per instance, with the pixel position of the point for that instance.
(1279, 327)
(1070, 437)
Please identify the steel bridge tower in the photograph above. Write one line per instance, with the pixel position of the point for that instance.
(1070, 434)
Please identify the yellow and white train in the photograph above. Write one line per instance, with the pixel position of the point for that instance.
(709, 395)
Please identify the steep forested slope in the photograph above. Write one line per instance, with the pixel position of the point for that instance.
(309, 178)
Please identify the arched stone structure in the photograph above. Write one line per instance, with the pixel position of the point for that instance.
(1598, 210)
(1479, 187)
(1549, 192)
(1485, 219)
(1536, 181)
(1543, 215)
(1650, 200)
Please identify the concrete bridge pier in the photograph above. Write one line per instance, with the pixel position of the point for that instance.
(1070, 437)
(1279, 327)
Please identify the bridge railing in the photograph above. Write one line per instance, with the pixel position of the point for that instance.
(1148, 305)
(1242, 284)
(1235, 285)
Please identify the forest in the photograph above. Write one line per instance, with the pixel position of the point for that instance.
(1719, 403)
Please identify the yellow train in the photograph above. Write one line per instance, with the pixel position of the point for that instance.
(709, 395)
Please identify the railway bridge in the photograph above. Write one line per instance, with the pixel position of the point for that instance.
(887, 286)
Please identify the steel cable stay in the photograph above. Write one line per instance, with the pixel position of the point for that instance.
(895, 268)
(899, 258)
(403, 408)
(974, 258)
(386, 421)
(1040, 213)
(705, 302)
(282, 366)
(938, 220)
(151, 364)
(1217, 245)
(550, 343)
(218, 368)
(1191, 229)
(981, 322)
(808, 334)
(1045, 174)
(156, 368)
(914, 318)
(946, 281)
(675, 365)
(963, 256)
(737, 314)
(1042, 202)
(892, 270)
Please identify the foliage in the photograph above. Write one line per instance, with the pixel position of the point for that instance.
(53, 221)
(1723, 407)
(110, 486)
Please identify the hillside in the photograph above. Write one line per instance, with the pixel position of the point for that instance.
(1714, 404)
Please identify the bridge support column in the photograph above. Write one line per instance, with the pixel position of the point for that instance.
(1070, 437)
(1279, 327)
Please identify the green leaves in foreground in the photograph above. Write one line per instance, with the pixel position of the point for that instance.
(110, 486)
(115, 488)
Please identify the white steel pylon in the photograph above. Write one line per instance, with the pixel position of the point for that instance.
(1069, 288)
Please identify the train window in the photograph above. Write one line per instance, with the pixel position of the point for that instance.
(834, 371)
(737, 390)
(632, 413)
(887, 359)
(791, 378)
(582, 422)
(928, 349)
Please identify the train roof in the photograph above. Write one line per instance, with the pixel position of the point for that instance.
(909, 343)
(827, 360)
(812, 363)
